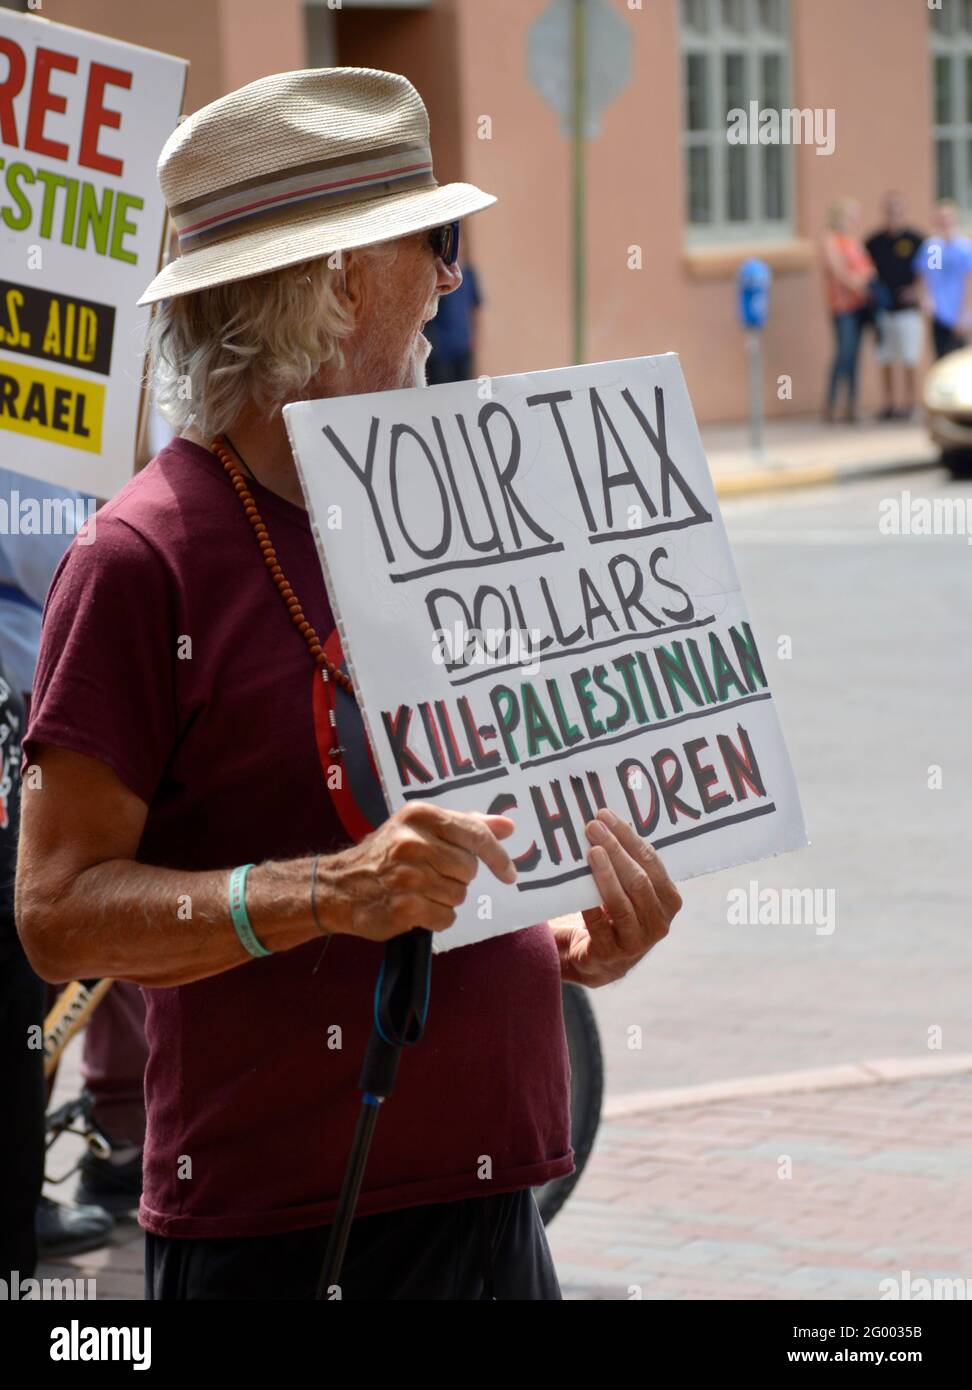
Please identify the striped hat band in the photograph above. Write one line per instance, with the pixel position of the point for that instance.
(334, 182)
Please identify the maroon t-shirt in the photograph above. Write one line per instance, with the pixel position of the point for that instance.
(168, 654)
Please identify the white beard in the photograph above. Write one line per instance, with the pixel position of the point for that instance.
(419, 359)
(367, 367)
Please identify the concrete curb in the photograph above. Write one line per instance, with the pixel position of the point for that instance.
(811, 475)
(852, 1074)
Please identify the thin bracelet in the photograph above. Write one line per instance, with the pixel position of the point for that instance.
(317, 920)
(239, 915)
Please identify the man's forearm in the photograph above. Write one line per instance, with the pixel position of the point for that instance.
(159, 926)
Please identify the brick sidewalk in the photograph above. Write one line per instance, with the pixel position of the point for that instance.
(688, 1203)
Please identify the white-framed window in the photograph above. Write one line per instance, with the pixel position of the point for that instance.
(734, 52)
(951, 56)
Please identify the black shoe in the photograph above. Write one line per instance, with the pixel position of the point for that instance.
(114, 1183)
(66, 1230)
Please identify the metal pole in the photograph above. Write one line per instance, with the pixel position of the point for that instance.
(400, 1005)
(754, 350)
(337, 1243)
(577, 140)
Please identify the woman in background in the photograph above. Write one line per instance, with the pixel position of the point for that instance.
(848, 271)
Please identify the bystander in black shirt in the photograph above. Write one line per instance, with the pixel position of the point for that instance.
(892, 254)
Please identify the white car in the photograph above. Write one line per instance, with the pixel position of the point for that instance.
(948, 401)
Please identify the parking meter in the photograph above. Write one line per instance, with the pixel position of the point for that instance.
(753, 280)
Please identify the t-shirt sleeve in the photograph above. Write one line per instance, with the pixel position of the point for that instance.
(105, 679)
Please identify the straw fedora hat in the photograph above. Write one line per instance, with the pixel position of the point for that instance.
(295, 166)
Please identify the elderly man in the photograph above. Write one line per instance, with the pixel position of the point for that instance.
(176, 733)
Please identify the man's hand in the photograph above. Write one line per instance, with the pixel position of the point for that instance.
(413, 871)
(639, 901)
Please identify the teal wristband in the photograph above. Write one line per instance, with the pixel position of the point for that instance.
(238, 913)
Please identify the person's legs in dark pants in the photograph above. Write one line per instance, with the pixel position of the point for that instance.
(854, 333)
(847, 334)
(113, 1067)
(837, 363)
(522, 1267)
(473, 1249)
(945, 338)
(25, 1097)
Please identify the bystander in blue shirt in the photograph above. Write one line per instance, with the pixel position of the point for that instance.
(944, 267)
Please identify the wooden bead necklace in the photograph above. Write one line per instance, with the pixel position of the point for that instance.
(314, 644)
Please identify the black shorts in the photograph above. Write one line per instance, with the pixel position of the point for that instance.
(480, 1248)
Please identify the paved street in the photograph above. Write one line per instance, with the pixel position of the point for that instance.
(848, 1176)
(876, 691)
(689, 1202)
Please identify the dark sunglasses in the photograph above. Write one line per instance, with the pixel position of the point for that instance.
(445, 242)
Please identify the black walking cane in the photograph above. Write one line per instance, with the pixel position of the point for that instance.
(400, 1007)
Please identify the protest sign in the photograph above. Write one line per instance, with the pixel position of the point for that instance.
(82, 121)
(541, 616)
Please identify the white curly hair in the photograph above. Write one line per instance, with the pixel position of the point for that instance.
(262, 340)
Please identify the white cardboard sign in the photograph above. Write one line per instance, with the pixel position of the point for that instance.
(82, 121)
(541, 615)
